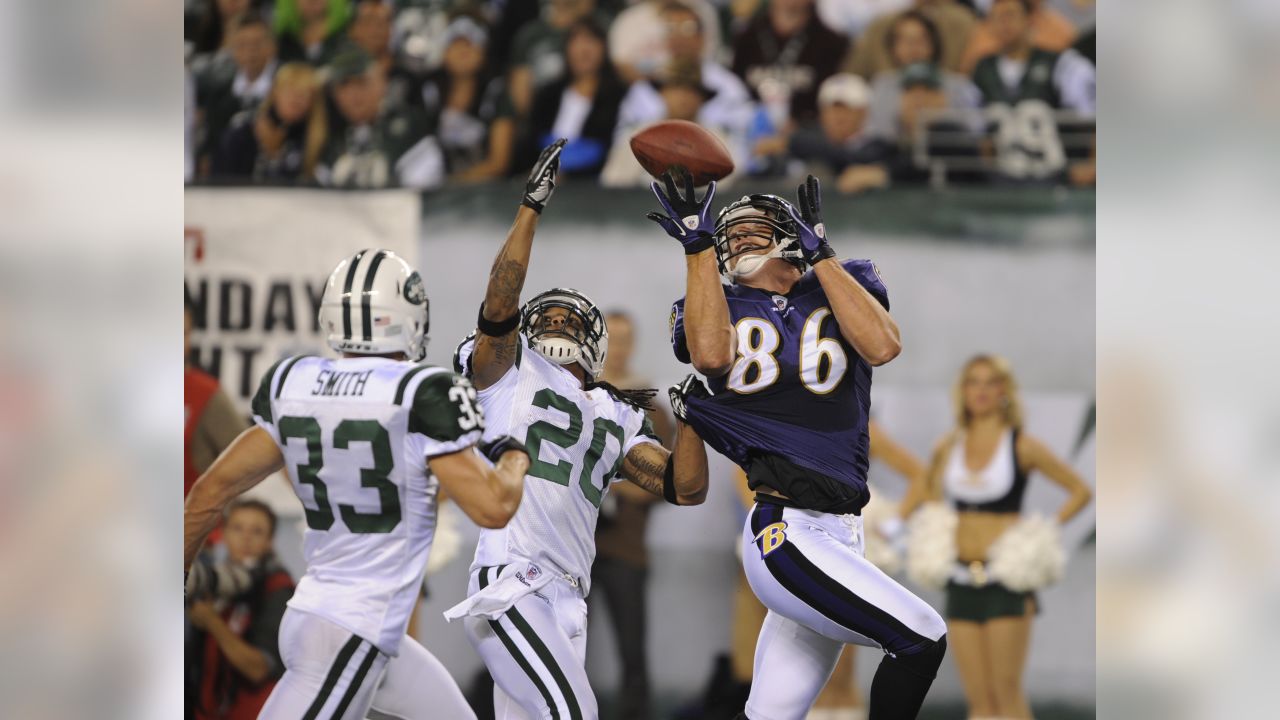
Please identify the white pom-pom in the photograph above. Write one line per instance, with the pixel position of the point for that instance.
(446, 542)
(1027, 556)
(877, 550)
(931, 548)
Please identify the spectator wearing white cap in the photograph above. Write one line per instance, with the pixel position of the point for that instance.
(840, 140)
(469, 105)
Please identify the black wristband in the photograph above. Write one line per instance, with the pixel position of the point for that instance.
(702, 242)
(495, 449)
(496, 328)
(669, 482)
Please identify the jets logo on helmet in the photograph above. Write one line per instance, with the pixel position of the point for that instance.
(578, 334)
(374, 303)
(414, 291)
(770, 211)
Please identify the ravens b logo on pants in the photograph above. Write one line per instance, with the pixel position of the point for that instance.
(771, 538)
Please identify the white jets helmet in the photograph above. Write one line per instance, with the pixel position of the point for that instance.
(588, 343)
(374, 304)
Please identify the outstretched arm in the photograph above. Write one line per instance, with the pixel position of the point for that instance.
(646, 466)
(864, 322)
(245, 463)
(495, 349)
(706, 312)
(680, 476)
(489, 496)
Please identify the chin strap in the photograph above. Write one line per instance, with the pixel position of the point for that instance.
(736, 273)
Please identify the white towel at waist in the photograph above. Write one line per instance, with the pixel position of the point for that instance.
(500, 595)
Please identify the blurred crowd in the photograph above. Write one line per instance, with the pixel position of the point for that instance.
(427, 93)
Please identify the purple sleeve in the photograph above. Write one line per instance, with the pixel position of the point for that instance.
(678, 343)
(868, 275)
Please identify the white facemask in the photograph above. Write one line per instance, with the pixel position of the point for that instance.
(749, 265)
(561, 351)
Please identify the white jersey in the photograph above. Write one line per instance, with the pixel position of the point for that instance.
(356, 435)
(576, 440)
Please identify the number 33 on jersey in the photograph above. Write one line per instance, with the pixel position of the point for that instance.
(356, 435)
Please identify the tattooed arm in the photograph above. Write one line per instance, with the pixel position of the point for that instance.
(494, 355)
(646, 465)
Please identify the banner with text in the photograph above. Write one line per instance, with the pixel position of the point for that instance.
(256, 263)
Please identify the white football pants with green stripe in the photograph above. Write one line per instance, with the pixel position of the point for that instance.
(536, 652)
(331, 674)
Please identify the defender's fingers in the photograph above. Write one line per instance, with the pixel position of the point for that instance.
(690, 195)
(550, 151)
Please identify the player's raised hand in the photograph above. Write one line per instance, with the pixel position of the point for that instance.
(687, 218)
(542, 179)
(691, 387)
(812, 233)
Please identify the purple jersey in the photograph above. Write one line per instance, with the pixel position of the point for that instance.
(797, 389)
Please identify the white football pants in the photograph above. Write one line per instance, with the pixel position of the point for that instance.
(331, 674)
(807, 568)
(536, 652)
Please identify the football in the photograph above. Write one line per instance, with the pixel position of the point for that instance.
(680, 143)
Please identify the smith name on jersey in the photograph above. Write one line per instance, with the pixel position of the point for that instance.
(576, 440)
(797, 389)
(356, 434)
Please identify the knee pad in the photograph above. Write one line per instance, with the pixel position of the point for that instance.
(926, 662)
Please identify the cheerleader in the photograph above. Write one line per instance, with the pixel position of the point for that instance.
(994, 557)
